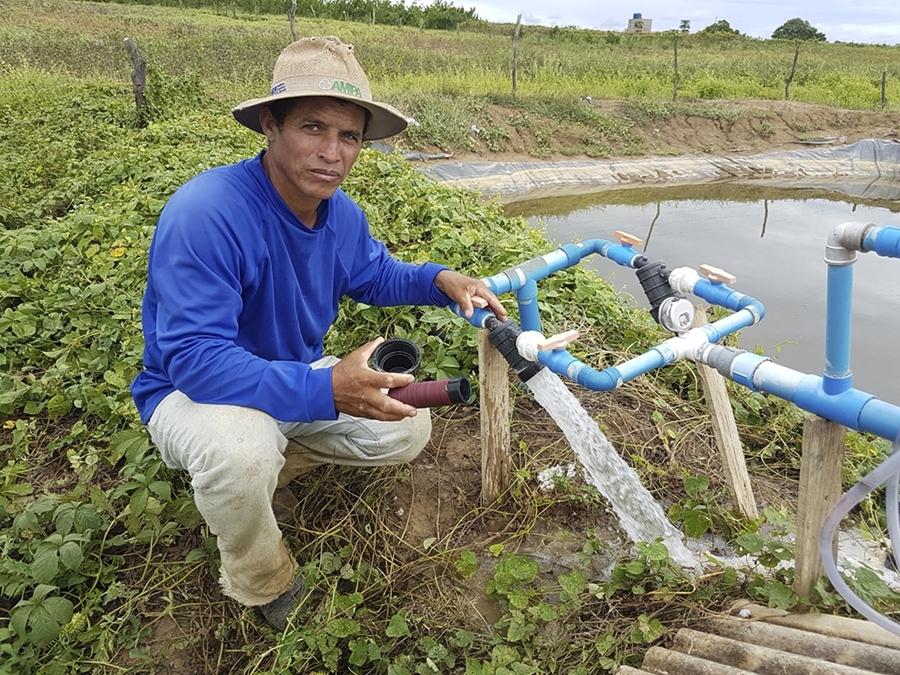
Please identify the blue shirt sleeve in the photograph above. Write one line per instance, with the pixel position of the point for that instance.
(198, 271)
(379, 279)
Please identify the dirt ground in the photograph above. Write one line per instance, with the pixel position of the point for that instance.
(716, 127)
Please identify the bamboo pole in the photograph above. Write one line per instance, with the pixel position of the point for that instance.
(493, 379)
(728, 441)
(820, 488)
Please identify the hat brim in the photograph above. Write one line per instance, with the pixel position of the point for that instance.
(384, 121)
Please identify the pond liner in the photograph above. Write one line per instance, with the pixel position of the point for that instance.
(858, 165)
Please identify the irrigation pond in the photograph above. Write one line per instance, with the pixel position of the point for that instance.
(771, 238)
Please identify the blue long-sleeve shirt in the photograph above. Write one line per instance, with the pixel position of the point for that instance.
(240, 294)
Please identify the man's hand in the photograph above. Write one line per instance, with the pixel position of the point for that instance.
(463, 291)
(358, 391)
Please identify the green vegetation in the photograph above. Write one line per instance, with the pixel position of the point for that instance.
(106, 566)
(798, 29)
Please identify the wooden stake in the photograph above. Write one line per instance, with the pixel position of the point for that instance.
(493, 379)
(820, 488)
(883, 89)
(725, 430)
(291, 14)
(515, 49)
(138, 75)
(677, 79)
(790, 77)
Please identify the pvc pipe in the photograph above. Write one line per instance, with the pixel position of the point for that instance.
(892, 507)
(529, 312)
(885, 241)
(887, 470)
(838, 314)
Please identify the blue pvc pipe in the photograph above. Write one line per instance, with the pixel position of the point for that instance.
(723, 296)
(885, 241)
(837, 377)
(529, 312)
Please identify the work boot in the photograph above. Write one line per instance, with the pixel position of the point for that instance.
(278, 611)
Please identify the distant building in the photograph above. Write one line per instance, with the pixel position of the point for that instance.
(638, 24)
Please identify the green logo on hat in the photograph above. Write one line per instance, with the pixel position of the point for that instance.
(346, 88)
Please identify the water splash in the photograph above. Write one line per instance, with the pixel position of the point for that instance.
(640, 515)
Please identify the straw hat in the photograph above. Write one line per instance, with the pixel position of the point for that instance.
(323, 66)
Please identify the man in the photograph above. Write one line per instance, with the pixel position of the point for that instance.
(245, 272)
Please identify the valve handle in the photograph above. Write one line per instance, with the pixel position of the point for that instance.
(558, 341)
(628, 239)
(717, 275)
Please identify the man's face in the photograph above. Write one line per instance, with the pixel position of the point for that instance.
(312, 152)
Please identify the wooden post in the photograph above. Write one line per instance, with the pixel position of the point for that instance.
(883, 89)
(676, 82)
(493, 379)
(790, 77)
(820, 488)
(515, 49)
(291, 14)
(138, 75)
(725, 430)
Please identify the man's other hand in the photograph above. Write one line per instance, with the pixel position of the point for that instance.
(358, 391)
(462, 290)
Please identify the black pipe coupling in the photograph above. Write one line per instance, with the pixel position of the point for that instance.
(503, 336)
(669, 308)
(404, 356)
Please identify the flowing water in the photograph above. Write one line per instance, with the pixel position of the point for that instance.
(640, 516)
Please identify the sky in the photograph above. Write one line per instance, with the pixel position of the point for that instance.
(873, 21)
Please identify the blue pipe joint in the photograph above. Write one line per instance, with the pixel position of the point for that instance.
(743, 366)
(478, 318)
(622, 254)
(723, 296)
(529, 312)
(843, 408)
(885, 241)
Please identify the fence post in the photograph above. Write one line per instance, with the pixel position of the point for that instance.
(677, 77)
(515, 46)
(291, 14)
(138, 75)
(820, 488)
(493, 380)
(790, 77)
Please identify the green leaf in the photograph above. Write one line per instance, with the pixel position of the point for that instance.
(572, 584)
(162, 489)
(750, 542)
(131, 443)
(696, 522)
(397, 626)
(466, 564)
(694, 486)
(342, 628)
(58, 406)
(70, 555)
(45, 564)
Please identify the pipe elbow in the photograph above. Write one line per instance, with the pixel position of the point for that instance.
(755, 307)
(599, 380)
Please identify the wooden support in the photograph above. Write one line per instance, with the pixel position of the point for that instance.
(677, 78)
(820, 488)
(883, 89)
(726, 433)
(138, 75)
(291, 15)
(515, 51)
(790, 77)
(493, 379)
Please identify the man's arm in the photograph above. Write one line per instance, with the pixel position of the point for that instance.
(196, 269)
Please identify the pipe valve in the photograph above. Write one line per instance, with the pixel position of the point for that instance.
(717, 275)
(676, 314)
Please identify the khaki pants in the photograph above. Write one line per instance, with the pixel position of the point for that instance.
(237, 456)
